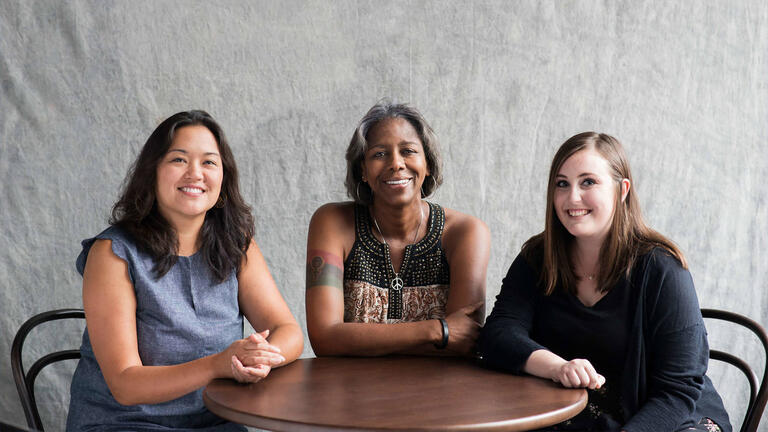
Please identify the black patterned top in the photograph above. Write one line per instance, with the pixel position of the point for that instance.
(368, 295)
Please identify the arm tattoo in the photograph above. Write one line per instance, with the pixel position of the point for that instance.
(324, 269)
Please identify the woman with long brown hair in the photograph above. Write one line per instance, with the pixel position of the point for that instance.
(601, 301)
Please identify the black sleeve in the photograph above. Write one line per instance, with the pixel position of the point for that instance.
(505, 343)
(677, 348)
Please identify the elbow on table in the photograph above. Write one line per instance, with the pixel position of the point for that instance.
(329, 345)
(326, 349)
(321, 343)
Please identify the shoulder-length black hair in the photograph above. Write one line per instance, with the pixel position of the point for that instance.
(228, 227)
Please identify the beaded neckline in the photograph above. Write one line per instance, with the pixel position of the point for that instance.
(364, 228)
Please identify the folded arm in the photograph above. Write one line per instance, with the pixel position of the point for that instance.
(330, 335)
(266, 310)
(110, 310)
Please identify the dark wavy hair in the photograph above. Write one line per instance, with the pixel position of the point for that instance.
(628, 237)
(227, 229)
(384, 109)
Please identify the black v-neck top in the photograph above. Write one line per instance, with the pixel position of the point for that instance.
(599, 334)
(646, 336)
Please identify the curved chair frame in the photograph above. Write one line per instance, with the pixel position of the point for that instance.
(25, 382)
(758, 395)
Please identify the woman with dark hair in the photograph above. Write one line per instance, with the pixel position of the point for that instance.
(601, 301)
(390, 272)
(166, 286)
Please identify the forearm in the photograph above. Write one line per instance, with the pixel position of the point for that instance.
(505, 344)
(157, 384)
(543, 363)
(428, 350)
(289, 338)
(369, 339)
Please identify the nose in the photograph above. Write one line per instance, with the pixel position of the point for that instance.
(574, 194)
(397, 162)
(194, 171)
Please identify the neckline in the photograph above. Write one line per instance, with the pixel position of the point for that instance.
(368, 229)
(600, 304)
(197, 252)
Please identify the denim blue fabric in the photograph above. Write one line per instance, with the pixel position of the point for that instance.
(183, 316)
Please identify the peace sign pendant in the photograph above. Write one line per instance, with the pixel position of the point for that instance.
(397, 283)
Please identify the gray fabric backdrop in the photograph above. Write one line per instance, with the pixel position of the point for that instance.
(683, 84)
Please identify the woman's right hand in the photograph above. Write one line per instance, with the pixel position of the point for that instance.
(252, 358)
(463, 330)
(578, 373)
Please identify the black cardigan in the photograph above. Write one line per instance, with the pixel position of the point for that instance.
(664, 386)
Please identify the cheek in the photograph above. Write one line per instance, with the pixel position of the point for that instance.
(217, 180)
(163, 180)
(558, 200)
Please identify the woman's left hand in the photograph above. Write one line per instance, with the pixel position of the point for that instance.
(247, 374)
(254, 358)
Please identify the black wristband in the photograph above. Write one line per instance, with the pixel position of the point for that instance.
(443, 343)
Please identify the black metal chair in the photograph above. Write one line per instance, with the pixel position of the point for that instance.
(25, 382)
(758, 395)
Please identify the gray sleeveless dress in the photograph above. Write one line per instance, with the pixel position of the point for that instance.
(183, 316)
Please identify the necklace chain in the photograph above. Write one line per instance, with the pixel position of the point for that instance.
(397, 283)
(587, 276)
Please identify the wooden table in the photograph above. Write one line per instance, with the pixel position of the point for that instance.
(393, 393)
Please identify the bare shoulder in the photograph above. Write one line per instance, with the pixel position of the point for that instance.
(337, 214)
(332, 228)
(461, 228)
(102, 257)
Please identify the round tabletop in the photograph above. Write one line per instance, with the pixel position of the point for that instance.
(393, 393)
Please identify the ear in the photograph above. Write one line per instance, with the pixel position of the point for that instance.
(625, 185)
(362, 172)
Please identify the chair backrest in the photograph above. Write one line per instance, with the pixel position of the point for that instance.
(758, 394)
(25, 382)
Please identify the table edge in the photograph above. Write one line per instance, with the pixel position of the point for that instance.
(269, 423)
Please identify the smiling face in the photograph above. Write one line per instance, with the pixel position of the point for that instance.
(394, 165)
(189, 176)
(585, 195)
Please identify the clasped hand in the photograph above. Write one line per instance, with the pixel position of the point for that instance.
(463, 330)
(578, 373)
(253, 357)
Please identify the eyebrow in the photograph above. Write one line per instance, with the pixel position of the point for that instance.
(185, 152)
(586, 174)
(400, 144)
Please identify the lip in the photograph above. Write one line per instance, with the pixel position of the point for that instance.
(191, 190)
(579, 212)
(398, 182)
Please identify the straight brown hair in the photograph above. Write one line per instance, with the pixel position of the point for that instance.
(628, 237)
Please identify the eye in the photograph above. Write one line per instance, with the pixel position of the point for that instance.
(378, 155)
(588, 182)
(177, 160)
(561, 184)
(210, 162)
(409, 151)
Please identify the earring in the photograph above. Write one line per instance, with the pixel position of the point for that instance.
(221, 202)
(423, 194)
(357, 191)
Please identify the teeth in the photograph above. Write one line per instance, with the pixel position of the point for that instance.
(398, 182)
(577, 212)
(192, 190)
